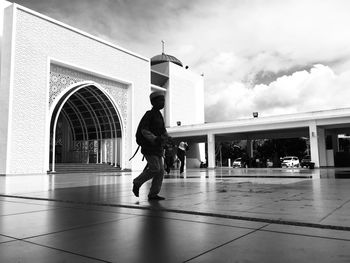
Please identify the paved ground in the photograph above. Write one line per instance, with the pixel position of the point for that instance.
(221, 215)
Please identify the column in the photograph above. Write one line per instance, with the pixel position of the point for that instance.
(97, 152)
(250, 150)
(100, 150)
(211, 150)
(121, 148)
(322, 150)
(335, 144)
(115, 152)
(314, 144)
(111, 150)
(317, 145)
(104, 144)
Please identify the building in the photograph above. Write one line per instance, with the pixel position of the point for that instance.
(67, 96)
(184, 95)
(323, 129)
(182, 87)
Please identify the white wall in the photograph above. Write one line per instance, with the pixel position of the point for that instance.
(186, 95)
(5, 80)
(37, 39)
(3, 5)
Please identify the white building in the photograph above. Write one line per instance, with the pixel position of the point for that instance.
(67, 96)
(183, 87)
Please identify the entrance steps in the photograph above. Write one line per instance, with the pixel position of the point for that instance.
(84, 168)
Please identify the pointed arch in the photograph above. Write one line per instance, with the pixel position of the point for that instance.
(93, 116)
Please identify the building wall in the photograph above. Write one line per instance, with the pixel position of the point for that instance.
(3, 5)
(5, 80)
(38, 40)
(186, 88)
(186, 104)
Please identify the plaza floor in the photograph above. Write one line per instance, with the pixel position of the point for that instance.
(220, 215)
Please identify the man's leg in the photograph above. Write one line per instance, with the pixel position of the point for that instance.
(156, 168)
(168, 164)
(181, 156)
(143, 177)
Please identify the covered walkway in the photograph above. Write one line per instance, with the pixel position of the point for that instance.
(317, 127)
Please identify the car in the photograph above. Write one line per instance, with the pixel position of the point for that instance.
(290, 162)
(237, 163)
(306, 163)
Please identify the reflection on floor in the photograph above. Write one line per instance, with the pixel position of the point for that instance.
(221, 215)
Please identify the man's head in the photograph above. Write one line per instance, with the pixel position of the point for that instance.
(157, 100)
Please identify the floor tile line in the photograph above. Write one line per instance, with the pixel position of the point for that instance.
(14, 239)
(29, 212)
(59, 206)
(255, 219)
(201, 222)
(8, 241)
(66, 251)
(21, 202)
(62, 206)
(78, 227)
(305, 235)
(337, 208)
(224, 244)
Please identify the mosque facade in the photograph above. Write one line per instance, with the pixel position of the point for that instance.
(70, 97)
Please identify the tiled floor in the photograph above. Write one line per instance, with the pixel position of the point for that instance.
(222, 215)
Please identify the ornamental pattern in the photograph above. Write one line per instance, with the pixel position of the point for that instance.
(62, 78)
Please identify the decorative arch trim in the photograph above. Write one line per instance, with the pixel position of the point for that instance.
(62, 79)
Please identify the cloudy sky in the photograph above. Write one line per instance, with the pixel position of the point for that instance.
(270, 56)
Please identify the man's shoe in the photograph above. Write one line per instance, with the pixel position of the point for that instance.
(156, 197)
(135, 190)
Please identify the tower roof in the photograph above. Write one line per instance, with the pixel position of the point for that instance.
(165, 58)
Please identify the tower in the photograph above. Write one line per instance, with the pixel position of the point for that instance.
(181, 87)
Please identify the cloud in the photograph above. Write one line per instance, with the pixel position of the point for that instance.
(269, 56)
(136, 25)
(319, 89)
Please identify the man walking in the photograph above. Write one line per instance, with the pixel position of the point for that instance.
(181, 154)
(151, 135)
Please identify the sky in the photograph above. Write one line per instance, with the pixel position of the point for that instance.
(268, 56)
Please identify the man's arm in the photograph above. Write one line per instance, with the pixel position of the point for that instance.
(149, 135)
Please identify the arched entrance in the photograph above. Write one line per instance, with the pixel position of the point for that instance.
(85, 129)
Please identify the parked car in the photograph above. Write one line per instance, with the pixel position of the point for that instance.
(290, 162)
(306, 163)
(237, 163)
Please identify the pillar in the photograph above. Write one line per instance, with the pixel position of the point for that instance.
(322, 149)
(314, 144)
(317, 145)
(96, 150)
(335, 143)
(104, 150)
(115, 152)
(211, 150)
(250, 150)
(101, 150)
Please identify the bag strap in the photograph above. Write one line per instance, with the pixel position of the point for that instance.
(138, 147)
